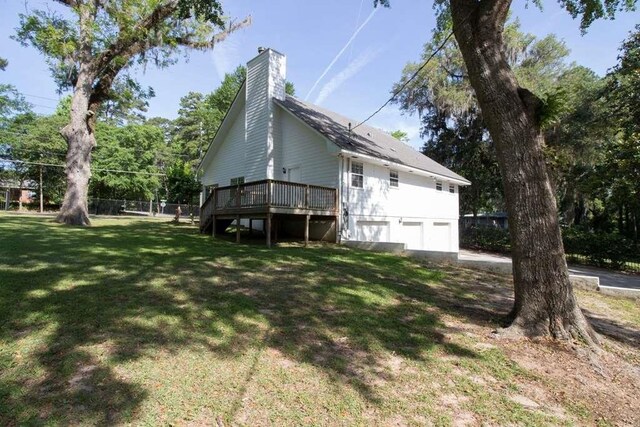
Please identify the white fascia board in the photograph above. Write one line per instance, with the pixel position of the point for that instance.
(401, 167)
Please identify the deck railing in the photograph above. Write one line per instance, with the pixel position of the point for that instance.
(271, 193)
(206, 210)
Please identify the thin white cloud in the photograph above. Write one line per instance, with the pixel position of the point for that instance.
(344, 48)
(349, 71)
(226, 56)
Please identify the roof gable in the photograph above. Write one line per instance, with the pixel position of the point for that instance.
(225, 125)
(365, 140)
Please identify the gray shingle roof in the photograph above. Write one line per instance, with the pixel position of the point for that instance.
(365, 140)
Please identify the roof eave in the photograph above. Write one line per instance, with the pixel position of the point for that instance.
(404, 167)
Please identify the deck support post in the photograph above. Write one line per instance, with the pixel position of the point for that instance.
(336, 221)
(213, 226)
(237, 228)
(268, 233)
(250, 226)
(276, 226)
(306, 230)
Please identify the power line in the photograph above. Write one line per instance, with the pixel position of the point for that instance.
(406, 83)
(20, 151)
(53, 152)
(64, 153)
(43, 106)
(95, 170)
(41, 97)
(13, 132)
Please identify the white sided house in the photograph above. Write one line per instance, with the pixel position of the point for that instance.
(290, 168)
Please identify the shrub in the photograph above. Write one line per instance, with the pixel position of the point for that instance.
(485, 239)
(601, 249)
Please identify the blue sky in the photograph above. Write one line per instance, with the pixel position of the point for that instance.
(311, 34)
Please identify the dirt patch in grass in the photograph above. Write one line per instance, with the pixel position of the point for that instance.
(566, 380)
(148, 323)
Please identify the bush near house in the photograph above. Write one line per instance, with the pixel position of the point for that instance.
(583, 247)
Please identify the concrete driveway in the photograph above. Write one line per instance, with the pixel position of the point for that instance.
(608, 278)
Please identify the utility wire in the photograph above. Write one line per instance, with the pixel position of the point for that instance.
(27, 153)
(41, 97)
(3, 131)
(95, 170)
(43, 106)
(63, 153)
(406, 83)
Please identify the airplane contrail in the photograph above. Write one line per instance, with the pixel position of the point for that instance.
(351, 70)
(355, 26)
(355, 34)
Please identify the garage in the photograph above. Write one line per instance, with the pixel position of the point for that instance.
(372, 231)
(440, 239)
(412, 235)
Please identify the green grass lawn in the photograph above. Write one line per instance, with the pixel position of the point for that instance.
(148, 322)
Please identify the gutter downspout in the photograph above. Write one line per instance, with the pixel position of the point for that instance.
(346, 209)
(340, 224)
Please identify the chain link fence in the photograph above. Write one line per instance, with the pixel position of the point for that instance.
(139, 207)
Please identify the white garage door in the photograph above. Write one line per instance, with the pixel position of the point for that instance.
(441, 237)
(412, 235)
(373, 231)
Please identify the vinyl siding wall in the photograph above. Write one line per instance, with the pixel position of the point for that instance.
(299, 146)
(229, 159)
(415, 200)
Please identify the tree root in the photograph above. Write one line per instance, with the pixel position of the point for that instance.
(73, 218)
(572, 327)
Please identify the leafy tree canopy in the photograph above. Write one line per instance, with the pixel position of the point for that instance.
(200, 116)
(31, 140)
(12, 102)
(182, 183)
(88, 48)
(442, 96)
(132, 148)
(400, 135)
(587, 11)
(117, 35)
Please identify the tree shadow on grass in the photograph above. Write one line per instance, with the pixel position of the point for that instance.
(78, 303)
(485, 300)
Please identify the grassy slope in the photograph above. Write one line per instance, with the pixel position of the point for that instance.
(148, 322)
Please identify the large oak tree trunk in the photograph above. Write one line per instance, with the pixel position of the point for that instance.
(80, 137)
(544, 300)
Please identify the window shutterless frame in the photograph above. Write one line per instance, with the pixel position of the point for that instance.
(394, 180)
(357, 174)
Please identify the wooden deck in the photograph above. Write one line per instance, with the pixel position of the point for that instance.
(266, 199)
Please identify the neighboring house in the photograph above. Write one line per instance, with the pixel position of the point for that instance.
(14, 192)
(490, 219)
(291, 166)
